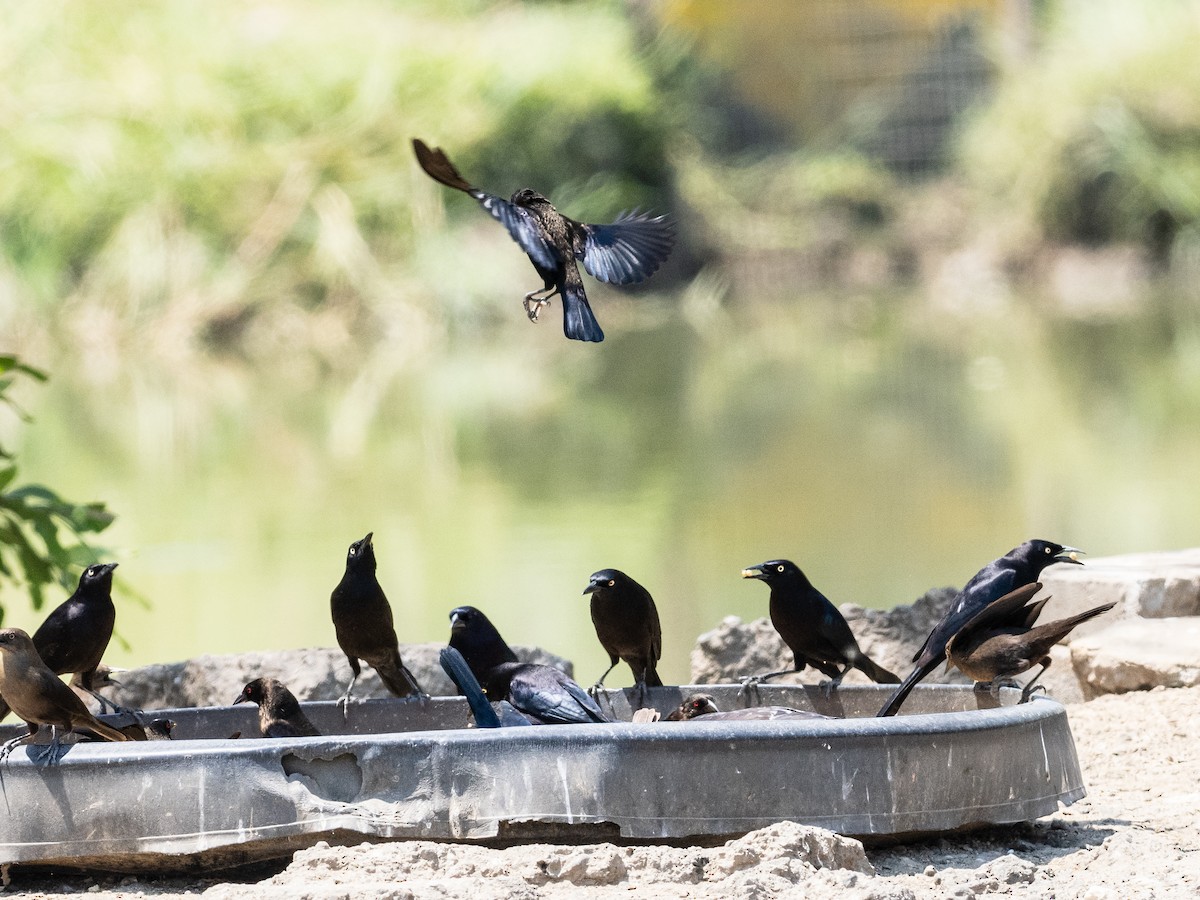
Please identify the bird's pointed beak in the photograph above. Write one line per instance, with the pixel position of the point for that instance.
(752, 572)
(1070, 555)
(240, 698)
(108, 567)
(591, 588)
(456, 622)
(368, 538)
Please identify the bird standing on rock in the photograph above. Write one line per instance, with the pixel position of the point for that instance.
(628, 251)
(626, 622)
(1003, 640)
(1020, 566)
(73, 638)
(40, 697)
(812, 627)
(279, 713)
(362, 620)
(543, 694)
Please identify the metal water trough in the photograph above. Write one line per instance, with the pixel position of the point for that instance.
(408, 769)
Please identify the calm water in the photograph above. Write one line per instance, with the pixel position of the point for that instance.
(886, 449)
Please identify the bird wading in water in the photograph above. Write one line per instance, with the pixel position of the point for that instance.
(628, 251)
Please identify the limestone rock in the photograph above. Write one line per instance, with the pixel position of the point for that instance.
(1139, 654)
(1150, 585)
(315, 673)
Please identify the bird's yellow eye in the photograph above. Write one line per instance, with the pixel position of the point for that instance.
(779, 568)
(612, 582)
(1047, 549)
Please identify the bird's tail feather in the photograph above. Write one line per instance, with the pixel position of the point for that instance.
(438, 167)
(397, 678)
(4, 709)
(1060, 628)
(464, 679)
(579, 322)
(101, 730)
(874, 671)
(652, 678)
(901, 693)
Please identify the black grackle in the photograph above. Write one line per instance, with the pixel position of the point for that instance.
(1020, 566)
(1003, 639)
(626, 622)
(362, 620)
(544, 694)
(812, 627)
(625, 252)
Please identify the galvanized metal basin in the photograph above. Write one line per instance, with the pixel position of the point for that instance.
(407, 769)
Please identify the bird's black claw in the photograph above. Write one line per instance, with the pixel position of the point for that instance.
(533, 308)
(1027, 693)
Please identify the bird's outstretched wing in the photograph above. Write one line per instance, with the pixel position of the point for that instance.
(629, 250)
(521, 224)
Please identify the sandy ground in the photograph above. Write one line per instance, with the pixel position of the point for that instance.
(1136, 835)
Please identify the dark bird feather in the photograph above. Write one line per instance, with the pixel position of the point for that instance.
(627, 251)
(362, 621)
(812, 627)
(544, 694)
(40, 697)
(626, 622)
(1003, 639)
(1020, 566)
(279, 713)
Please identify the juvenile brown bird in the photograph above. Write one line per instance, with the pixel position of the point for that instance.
(1020, 566)
(704, 705)
(816, 633)
(628, 251)
(1002, 640)
(626, 622)
(73, 638)
(362, 620)
(38, 696)
(279, 713)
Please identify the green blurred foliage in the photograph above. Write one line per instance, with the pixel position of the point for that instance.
(1097, 137)
(34, 519)
(228, 160)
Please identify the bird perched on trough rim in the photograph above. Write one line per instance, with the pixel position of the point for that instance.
(628, 251)
(362, 621)
(73, 637)
(40, 697)
(543, 694)
(816, 633)
(627, 625)
(1003, 640)
(279, 713)
(1020, 566)
(705, 706)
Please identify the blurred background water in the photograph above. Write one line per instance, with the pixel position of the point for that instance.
(881, 350)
